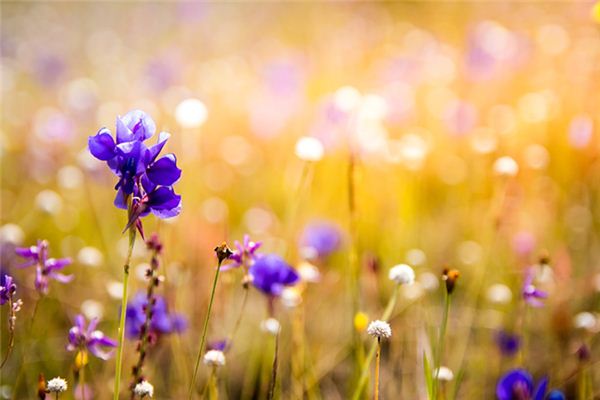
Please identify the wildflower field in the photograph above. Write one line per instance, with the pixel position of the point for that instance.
(311, 200)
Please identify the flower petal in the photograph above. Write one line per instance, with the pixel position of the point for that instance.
(164, 171)
(164, 203)
(53, 264)
(102, 145)
(153, 151)
(139, 124)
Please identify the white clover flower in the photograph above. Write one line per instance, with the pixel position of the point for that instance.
(444, 374)
(214, 358)
(402, 274)
(379, 329)
(143, 389)
(56, 385)
(506, 166)
(309, 149)
(270, 325)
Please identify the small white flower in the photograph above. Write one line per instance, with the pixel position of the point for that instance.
(144, 388)
(56, 385)
(444, 374)
(402, 274)
(270, 325)
(379, 329)
(499, 293)
(309, 149)
(585, 320)
(506, 166)
(290, 297)
(214, 358)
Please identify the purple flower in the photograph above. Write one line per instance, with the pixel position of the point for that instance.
(220, 345)
(7, 288)
(556, 395)
(141, 173)
(320, 240)
(508, 343)
(162, 321)
(270, 274)
(91, 339)
(46, 268)
(517, 384)
(531, 294)
(245, 254)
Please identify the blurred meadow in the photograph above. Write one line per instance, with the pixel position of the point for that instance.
(346, 138)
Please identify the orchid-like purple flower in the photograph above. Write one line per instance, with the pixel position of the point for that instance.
(162, 322)
(46, 268)
(244, 255)
(530, 293)
(270, 274)
(518, 384)
(141, 173)
(7, 288)
(320, 239)
(89, 339)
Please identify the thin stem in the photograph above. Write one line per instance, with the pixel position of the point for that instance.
(377, 361)
(365, 366)
(11, 331)
(82, 381)
(239, 318)
(273, 380)
(121, 332)
(204, 330)
(440, 348)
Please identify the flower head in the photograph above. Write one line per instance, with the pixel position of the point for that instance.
(46, 268)
(245, 253)
(444, 374)
(7, 288)
(270, 274)
(518, 384)
(162, 322)
(402, 274)
(271, 326)
(450, 276)
(141, 173)
(319, 240)
(82, 338)
(143, 388)
(56, 385)
(214, 358)
(379, 329)
(508, 343)
(530, 293)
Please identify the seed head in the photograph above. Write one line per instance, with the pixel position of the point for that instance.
(402, 274)
(379, 329)
(144, 388)
(56, 385)
(214, 358)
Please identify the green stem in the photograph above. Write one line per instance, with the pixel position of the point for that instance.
(365, 366)
(440, 347)
(121, 332)
(205, 329)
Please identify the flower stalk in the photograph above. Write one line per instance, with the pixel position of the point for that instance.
(223, 253)
(121, 331)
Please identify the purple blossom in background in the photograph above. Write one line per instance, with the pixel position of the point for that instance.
(531, 294)
(91, 339)
(320, 239)
(245, 254)
(556, 395)
(220, 345)
(162, 321)
(141, 173)
(518, 384)
(270, 274)
(508, 343)
(46, 268)
(7, 288)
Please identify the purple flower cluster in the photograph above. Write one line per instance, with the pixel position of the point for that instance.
(7, 288)
(518, 384)
(141, 173)
(162, 321)
(46, 268)
(268, 273)
(319, 240)
(531, 294)
(90, 339)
